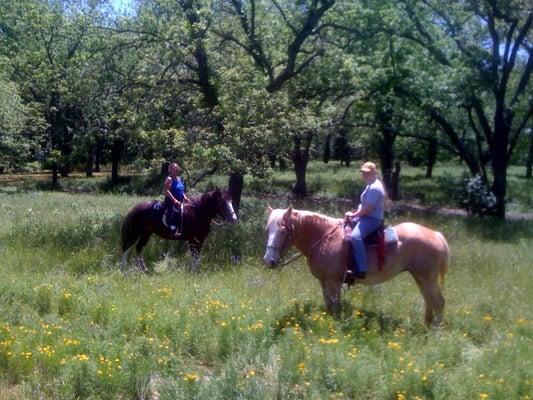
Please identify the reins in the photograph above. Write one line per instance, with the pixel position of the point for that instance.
(299, 254)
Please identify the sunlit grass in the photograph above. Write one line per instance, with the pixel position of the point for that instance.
(73, 326)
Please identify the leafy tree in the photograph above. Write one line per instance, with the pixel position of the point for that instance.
(16, 141)
(48, 45)
(261, 31)
(484, 53)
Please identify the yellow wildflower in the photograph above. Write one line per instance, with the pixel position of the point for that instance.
(394, 346)
(81, 357)
(191, 377)
(328, 341)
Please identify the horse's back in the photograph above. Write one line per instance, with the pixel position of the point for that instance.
(418, 242)
(416, 232)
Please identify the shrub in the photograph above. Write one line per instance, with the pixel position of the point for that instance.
(475, 196)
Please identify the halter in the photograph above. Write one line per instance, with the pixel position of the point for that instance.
(299, 254)
(289, 233)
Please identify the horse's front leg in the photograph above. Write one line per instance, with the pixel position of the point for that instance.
(195, 258)
(124, 259)
(332, 296)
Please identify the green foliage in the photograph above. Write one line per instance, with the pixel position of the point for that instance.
(475, 196)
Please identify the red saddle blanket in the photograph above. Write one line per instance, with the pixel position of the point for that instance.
(380, 238)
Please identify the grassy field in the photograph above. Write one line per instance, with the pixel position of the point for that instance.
(72, 326)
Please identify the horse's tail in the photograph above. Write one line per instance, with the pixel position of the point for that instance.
(129, 235)
(446, 262)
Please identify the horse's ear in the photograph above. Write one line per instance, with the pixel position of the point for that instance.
(269, 209)
(288, 213)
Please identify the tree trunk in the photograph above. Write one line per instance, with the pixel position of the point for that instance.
(89, 162)
(327, 149)
(432, 158)
(499, 148)
(395, 182)
(499, 186)
(55, 180)
(387, 158)
(235, 185)
(98, 157)
(529, 160)
(282, 162)
(164, 169)
(116, 154)
(300, 169)
(300, 158)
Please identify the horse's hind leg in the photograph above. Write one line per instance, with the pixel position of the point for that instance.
(127, 245)
(140, 245)
(434, 302)
(438, 304)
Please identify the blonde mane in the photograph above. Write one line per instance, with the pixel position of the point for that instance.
(321, 221)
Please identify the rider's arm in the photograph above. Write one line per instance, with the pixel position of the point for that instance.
(363, 210)
(168, 193)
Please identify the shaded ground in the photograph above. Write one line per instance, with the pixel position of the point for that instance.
(411, 205)
(397, 207)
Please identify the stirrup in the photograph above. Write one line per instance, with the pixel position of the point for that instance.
(348, 277)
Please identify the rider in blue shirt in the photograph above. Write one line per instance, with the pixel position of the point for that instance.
(369, 217)
(174, 192)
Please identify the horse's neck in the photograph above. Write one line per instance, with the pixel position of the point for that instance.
(309, 230)
(203, 210)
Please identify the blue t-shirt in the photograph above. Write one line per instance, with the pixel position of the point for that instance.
(374, 194)
(178, 188)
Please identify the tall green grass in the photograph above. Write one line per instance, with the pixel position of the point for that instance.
(72, 326)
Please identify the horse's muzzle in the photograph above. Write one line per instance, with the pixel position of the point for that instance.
(270, 261)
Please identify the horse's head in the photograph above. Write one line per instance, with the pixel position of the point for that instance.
(224, 205)
(279, 229)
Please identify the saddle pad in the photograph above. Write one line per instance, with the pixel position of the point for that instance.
(391, 237)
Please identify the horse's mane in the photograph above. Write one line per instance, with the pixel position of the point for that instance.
(199, 199)
(320, 220)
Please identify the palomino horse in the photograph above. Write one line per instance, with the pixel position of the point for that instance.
(419, 250)
(147, 217)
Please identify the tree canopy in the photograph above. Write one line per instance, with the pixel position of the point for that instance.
(230, 85)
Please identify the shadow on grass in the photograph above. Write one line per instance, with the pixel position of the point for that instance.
(368, 320)
(498, 230)
(307, 317)
(296, 314)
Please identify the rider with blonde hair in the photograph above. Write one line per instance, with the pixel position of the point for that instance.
(368, 217)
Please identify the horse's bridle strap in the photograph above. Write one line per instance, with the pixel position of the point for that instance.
(298, 255)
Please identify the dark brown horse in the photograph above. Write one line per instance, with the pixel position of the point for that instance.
(147, 217)
(423, 252)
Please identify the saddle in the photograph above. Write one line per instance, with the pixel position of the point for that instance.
(381, 238)
(175, 215)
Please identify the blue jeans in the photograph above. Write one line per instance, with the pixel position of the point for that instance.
(362, 229)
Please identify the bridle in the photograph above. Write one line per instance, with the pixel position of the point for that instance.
(289, 232)
(222, 203)
(299, 254)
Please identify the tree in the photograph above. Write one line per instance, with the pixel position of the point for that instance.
(261, 30)
(48, 45)
(484, 51)
(16, 141)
